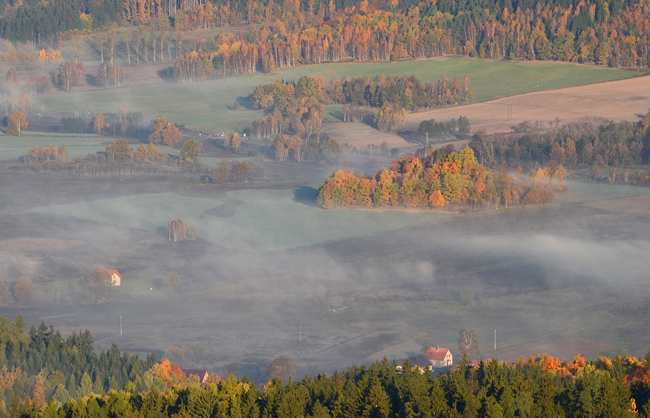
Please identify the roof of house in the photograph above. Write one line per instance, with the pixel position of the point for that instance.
(112, 272)
(437, 353)
(200, 373)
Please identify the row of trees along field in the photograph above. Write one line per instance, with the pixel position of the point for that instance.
(444, 178)
(118, 158)
(588, 31)
(298, 107)
(591, 141)
(540, 386)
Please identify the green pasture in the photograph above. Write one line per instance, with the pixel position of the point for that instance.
(266, 220)
(204, 106)
(589, 192)
(78, 145)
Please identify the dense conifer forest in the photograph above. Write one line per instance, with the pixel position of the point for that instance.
(540, 386)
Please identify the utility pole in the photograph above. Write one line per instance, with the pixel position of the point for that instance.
(120, 325)
(495, 339)
(300, 333)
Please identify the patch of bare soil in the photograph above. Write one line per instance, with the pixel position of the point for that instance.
(616, 100)
(562, 349)
(638, 205)
(361, 136)
(37, 245)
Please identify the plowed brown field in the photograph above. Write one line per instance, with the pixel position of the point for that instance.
(616, 100)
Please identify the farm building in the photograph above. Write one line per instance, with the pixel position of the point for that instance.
(201, 374)
(440, 357)
(116, 277)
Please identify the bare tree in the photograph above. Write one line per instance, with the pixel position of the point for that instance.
(136, 46)
(111, 42)
(99, 44)
(77, 42)
(468, 343)
(127, 38)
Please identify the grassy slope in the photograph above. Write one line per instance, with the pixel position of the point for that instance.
(278, 219)
(267, 220)
(204, 106)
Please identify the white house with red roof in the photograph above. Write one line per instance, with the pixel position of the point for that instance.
(116, 277)
(440, 357)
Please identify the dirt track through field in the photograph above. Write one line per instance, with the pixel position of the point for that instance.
(616, 100)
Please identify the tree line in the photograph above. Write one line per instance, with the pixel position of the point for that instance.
(539, 386)
(589, 31)
(119, 158)
(41, 365)
(307, 32)
(589, 142)
(298, 107)
(444, 178)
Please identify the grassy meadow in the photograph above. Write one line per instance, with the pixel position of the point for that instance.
(205, 106)
(78, 145)
(265, 220)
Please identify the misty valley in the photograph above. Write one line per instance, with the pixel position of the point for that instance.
(329, 209)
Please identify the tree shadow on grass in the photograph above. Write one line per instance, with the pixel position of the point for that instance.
(162, 231)
(305, 195)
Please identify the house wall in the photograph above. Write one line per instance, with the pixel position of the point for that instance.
(115, 280)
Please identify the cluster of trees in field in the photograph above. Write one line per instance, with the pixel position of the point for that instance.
(22, 292)
(240, 172)
(123, 122)
(179, 230)
(453, 128)
(109, 75)
(285, 147)
(50, 153)
(540, 386)
(41, 365)
(590, 142)
(18, 59)
(444, 178)
(118, 158)
(297, 107)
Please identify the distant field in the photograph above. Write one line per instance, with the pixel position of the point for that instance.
(266, 220)
(204, 106)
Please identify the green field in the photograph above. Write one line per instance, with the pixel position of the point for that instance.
(204, 106)
(78, 145)
(589, 192)
(267, 220)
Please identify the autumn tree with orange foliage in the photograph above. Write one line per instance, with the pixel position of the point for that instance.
(169, 373)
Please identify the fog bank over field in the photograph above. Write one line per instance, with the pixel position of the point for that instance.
(565, 272)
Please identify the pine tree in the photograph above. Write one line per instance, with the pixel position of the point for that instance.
(98, 387)
(86, 385)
